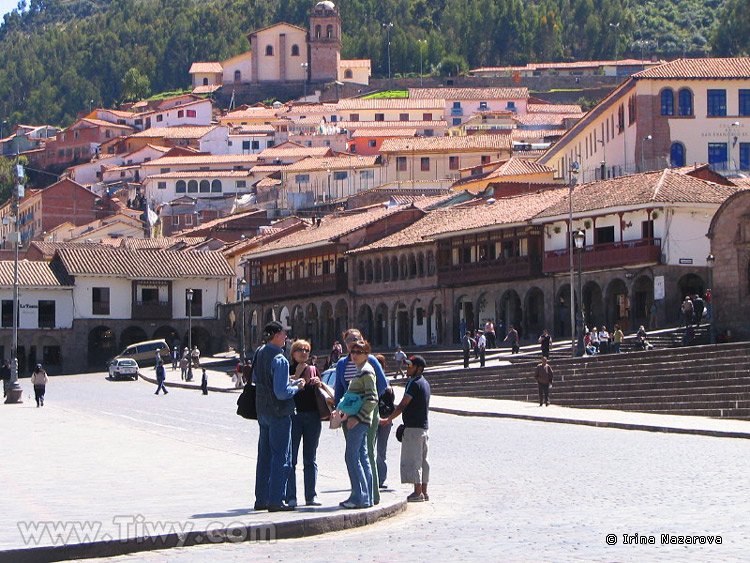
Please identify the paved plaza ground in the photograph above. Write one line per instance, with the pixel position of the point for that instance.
(502, 489)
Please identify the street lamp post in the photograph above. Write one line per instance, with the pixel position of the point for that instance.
(241, 285)
(730, 130)
(643, 146)
(14, 391)
(574, 167)
(304, 67)
(616, 27)
(388, 27)
(421, 73)
(580, 240)
(710, 259)
(328, 171)
(190, 327)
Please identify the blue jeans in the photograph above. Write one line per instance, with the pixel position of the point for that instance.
(358, 465)
(384, 432)
(306, 429)
(274, 459)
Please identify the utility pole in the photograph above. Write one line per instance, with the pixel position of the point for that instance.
(388, 27)
(14, 391)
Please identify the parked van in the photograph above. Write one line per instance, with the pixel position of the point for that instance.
(145, 352)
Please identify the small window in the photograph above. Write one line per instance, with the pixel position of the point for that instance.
(453, 163)
(353, 117)
(340, 175)
(216, 186)
(181, 113)
(379, 117)
(401, 163)
(100, 300)
(161, 185)
(192, 186)
(46, 314)
(180, 187)
(456, 121)
(366, 175)
(425, 164)
(372, 143)
(456, 105)
(717, 103)
(175, 220)
(164, 171)
(269, 50)
(295, 50)
(744, 107)
(317, 31)
(190, 112)
(255, 145)
(237, 76)
(426, 117)
(348, 74)
(667, 102)
(302, 179)
(403, 117)
(205, 186)
(685, 102)
(159, 118)
(677, 155)
(329, 31)
(240, 184)
(485, 159)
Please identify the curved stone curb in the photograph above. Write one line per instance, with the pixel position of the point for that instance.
(342, 520)
(193, 386)
(599, 423)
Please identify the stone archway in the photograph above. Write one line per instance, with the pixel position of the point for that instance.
(691, 284)
(327, 326)
(593, 304)
(101, 346)
(435, 322)
(511, 312)
(366, 323)
(643, 297)
(401, 325)
(486, 309)
(618, 305)
(312, 327)
(534, 313)
(562, 328)
(463, 317)
(169, 334)
(297, 322)
(201, 337)
(131, 335)
(380, 334)
(418, 323)
(341, 316)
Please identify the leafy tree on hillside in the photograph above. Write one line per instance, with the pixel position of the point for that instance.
(135, 85)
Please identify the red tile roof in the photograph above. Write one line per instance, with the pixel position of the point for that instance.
(184, 132)
(34, 274)
(203, 159)
(351, 104)
(206, 68)
(553, 108)
(355, 63)
(353, 125)
(434, 144)
(385, 132)
(731, 68)
(333, 163)
(293, 152)
(485, 94)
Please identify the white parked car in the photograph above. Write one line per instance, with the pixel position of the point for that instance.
(123, 367)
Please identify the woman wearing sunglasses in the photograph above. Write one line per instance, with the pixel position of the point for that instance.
(357, 459)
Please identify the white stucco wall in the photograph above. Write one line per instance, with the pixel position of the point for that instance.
(28, 301)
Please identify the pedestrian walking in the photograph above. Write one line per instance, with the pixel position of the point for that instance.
(5, 376)
(698, 308)
(604, 340)
(274, 401)
(345, 372)
(400, 358)
(204, 382)
(386, 406)
(184, 363)
(617, 338)
(247, 372)
(161, 376)
(358, 424)
(467, 343)
(489, 333)
(195, 357)
(415, 406)
(476, 344)
(306, 426)
(543, 375)
(545, 340)
(175, 358)
(39, 380)
(513, 338)
(482, 346)
(687, 311)
(652, 321)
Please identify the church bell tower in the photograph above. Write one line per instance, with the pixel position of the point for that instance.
(325, 42)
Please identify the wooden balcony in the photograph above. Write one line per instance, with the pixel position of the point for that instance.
(607, 255)
(490, 271)
(288, 289)
(142, 311)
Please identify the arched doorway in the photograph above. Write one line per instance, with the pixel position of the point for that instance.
(486, 310)
(312, 332)
(341, 316)
(201, 338)
(511, 312)
(380, 334)
(131, 335)
(365, 322)
(562, 326)
(401, 325)
(593, 305)
(298, 322)
(618, 306)
(328, 328)
(534, 312)
(690, 284)
(435, 322)
(254, 328)
(101, 346)
(418, 325)
(463, 317)
(169, 334)
(643, 297)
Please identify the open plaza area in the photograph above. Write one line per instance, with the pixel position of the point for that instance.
(129, 463)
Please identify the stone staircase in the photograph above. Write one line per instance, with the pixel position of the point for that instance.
(705, 380)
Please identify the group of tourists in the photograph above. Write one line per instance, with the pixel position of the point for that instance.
(692, 309)
(288, 413)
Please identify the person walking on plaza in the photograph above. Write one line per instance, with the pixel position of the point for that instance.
(386, 407)
(5, 376)
(482, 347)
(184, 364)
(415, 406)
(39, 380)
(175, 358)
(274, 402)
(247, 372)
(306, 424)
(698, 308)
(400, 358)
(652, 321)
(160, 377)
(687, 311)
(489, 333)
(467, 343)
(617, 338)
(513, 338)
(195, 357)
(545, 340)
(604, 339)
(204, 382)
(345, 372)
(358, 462)
(543, 376)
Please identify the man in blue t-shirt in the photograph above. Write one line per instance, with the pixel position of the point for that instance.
(415, 407)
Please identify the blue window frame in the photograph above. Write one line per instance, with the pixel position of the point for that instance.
(685, 101)
(744, 102)
(677, 155)
(744, 156)
(717, 103)
(667, 102)
(717, 155)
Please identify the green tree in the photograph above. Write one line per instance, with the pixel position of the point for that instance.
(135, 85)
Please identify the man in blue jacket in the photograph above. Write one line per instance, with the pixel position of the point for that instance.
(275, 404)
(345, 371)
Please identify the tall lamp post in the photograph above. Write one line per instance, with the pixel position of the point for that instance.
(421, 42)
(388, 27)
(14, 391)
(190, 326)
(304, 68)
(643, 146)
(574, 167)
(580, 240)
(241, 285)
(710, 259)
(616, 27)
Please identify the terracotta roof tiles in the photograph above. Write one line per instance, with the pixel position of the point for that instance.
(351, 104)
(34, 274)
(430, 144)
(553, 108)
(469, 93)
(206, 68)
(711, 68)
(184, 132)
(333, 163)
